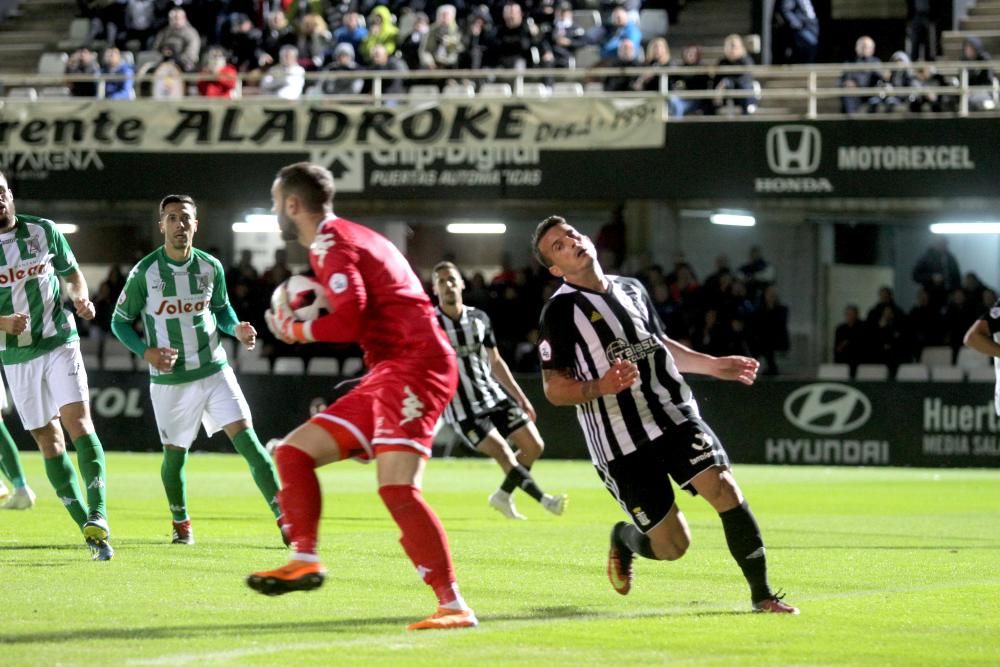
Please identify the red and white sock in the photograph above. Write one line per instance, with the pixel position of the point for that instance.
(424, 541)
(300, 499)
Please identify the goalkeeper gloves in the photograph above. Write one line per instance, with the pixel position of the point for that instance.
(286, 328)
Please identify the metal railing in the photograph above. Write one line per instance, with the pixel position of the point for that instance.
(811, 83)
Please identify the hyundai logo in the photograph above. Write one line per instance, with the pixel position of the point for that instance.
(827, 408)
(793, 149)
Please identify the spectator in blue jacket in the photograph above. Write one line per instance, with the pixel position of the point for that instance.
(115, 65)
(621, 28)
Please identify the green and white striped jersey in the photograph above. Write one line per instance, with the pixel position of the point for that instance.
(175, 301)
(34, 255)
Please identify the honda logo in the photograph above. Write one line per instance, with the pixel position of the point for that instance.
(827, 408)
(793, 149)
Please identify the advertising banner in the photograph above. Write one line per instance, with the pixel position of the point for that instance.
(777, 422)
(260, 126)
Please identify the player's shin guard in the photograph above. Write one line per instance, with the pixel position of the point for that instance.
(10, 460)
(90, 457)
(261, 467)
(175, 481)
(747, 548)
(63, 478)
(520, 477)
(300, 498)
(423, 539)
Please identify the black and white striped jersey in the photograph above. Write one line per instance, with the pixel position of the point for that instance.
(478, 391)
(585, 331)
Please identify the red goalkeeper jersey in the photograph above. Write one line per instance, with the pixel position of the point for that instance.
(375, 297)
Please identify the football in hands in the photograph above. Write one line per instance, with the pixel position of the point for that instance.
(303, 296)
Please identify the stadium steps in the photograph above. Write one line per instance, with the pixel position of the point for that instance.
(980, 23)
(952, 41)
(706, 23)
(37, 29)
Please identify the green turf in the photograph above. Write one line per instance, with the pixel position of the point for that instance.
(889, 566)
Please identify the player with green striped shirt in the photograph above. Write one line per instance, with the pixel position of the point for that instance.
(179, 292)
(40, 352)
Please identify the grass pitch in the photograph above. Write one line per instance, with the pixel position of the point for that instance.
(889, 566)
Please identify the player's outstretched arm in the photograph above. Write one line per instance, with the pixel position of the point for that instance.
(979, 338)
(738, 368)
(562, 389)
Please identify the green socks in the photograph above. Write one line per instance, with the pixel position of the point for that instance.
(261, 466)
(174, 481)
(63, 478)
(10, 460)
(90, 457)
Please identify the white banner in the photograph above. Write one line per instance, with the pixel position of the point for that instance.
(255, 125)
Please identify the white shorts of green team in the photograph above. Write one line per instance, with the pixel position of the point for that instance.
(42, 386)
(217, 398)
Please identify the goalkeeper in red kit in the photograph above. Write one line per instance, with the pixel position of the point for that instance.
(377, 301)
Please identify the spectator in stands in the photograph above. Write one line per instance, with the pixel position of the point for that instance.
(713, 283)
(352, 31)
(83, 63)
(850, 340)
(874, 77)
(735, 55)
(627, 58)
(758, 273)
(104, 307)
(770, 330)
(889, 336)
(242, 41)
(657, 55)
(926, 324)
(168, 81)
(478, 41)
(343, 63)
(974, 288)
(381, 31)
(886, 301)
(515, 39)
(140, 22)
(565, 37)
(179, 41)
(795, 38)
(714, 335)
(920, 30)
(927, 76)
(443, 44)
(959, 314)
(277, 34)
(691, 57)
(115, 66)
(224, 75)
(287, 78)
(409, 43)
(107, 20)
(900, 78)
(382, 62)
(621, 27)
(937, 272)
(973, 51)
(315, 42)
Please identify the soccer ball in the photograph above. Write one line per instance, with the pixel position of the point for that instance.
(303, 296)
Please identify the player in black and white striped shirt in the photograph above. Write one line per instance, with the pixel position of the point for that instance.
(482, 410)
(604, 350)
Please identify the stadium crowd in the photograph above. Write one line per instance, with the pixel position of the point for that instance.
(275, 43)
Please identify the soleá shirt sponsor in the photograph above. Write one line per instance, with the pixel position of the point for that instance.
(175, 301)
(34, 255)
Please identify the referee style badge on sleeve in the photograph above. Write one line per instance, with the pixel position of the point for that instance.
(545, 350)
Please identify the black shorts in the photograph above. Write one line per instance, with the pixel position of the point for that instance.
(640, 481)
(506, 418)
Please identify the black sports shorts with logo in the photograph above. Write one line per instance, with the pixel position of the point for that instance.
(506, 418)
(640, 481)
